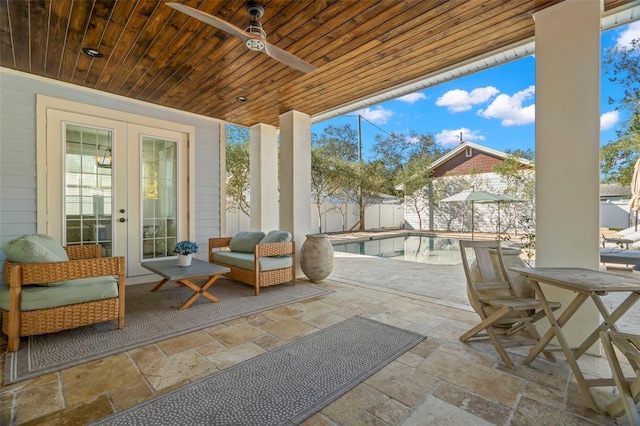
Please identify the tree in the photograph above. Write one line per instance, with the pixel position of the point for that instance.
(354, 180)
(324, 181)
(399, 150)
(407, 160)
(369, 179)
(527, 154)
(332, 153)
(415, 184)
(337, 142)
(618, 157)
(520, 183)
(393, 150)
(238, 172)
(346, 193)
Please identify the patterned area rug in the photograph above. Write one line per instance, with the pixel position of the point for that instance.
(149, 317)
(282, 387)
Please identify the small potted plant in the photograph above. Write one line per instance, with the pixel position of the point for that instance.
(184, 250)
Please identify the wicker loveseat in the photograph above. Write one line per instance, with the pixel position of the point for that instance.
(46, 297)
(255, 258)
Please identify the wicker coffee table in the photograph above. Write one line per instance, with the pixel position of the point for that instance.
(182, 275)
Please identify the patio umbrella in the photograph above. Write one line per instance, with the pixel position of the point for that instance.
(634, 204)
(472, 195)
(503, 198)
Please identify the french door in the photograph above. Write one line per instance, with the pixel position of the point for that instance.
(157, 190)
(121, 185)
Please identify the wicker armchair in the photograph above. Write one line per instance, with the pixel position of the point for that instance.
(256, 277)
(85, 261)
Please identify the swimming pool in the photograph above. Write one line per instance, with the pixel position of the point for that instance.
(413, 248)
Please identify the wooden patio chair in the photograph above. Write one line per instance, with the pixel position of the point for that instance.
(502, 313)
(629, 388)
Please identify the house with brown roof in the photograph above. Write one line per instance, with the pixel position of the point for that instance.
(470, 165)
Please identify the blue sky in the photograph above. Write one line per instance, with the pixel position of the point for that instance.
(494, 107)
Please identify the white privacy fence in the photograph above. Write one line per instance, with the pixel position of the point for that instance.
(612, 215)
(333, 220)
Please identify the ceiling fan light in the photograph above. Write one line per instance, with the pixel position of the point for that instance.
(255, 44)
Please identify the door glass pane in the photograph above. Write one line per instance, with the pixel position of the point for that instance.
(159, 193)
(88, 186)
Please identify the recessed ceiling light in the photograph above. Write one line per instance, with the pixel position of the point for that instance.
(241, 98)
(92, 52)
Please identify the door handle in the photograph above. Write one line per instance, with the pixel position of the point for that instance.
(121, 210)
(122, 219)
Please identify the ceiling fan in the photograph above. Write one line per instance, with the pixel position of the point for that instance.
(254, 36)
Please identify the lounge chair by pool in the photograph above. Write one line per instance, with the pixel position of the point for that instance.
(615, 255)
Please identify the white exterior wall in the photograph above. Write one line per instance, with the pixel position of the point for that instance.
(236, 222)
(450, 217)
(18, 151)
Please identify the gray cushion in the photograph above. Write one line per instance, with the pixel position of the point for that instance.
(245, 241)
(245, 260)
(276, 237)
(34, 248)
(64, 293)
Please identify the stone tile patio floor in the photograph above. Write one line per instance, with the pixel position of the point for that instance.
(441, 381)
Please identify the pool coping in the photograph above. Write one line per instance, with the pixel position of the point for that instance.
(380, 236)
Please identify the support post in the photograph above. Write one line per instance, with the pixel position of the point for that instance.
(567, 146)
(295, 177)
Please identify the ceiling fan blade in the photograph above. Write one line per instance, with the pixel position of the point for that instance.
(287, 58)
(213, 21)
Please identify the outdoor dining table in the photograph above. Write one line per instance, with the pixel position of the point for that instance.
(586, 284)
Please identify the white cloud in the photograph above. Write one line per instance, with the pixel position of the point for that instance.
(631, 32)
(459, 100)
(608, 120)
(510, 110)
(452, 137)
(377, 115)
(412, 97)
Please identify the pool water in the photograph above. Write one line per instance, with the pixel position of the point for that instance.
(413, 248)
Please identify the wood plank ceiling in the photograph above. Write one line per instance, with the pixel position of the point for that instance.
(156, 54)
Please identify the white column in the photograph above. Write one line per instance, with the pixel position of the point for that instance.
(567, 39)
(223, 178)
(295, 177)
(263, 162)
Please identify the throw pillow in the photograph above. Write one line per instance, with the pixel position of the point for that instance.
(34, 248)
(245, 241)
(276, 237)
